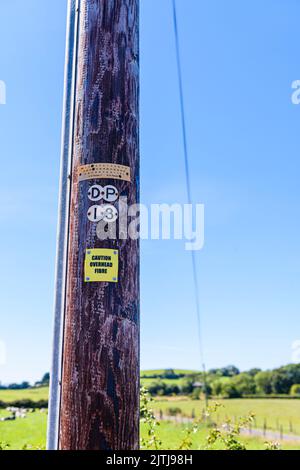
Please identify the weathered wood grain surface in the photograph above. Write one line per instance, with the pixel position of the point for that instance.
(100, 382)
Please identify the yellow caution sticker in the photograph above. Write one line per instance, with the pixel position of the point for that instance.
(101, 265)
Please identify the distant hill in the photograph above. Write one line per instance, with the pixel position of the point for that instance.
(161, 372)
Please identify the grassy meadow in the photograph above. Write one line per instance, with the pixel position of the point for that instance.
(270, 413)
(34, 394)
(147, 377)
(172, 434)
(25, 433)
(31, 433)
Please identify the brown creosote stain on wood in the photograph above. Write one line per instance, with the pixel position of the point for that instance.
(100, 386)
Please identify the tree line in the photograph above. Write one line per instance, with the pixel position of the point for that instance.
(229, 382)
(44, 382)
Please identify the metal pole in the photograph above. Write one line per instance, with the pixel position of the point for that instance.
(99, 406)
(63, 223)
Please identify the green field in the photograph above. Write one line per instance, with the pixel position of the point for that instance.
(34, 394)
(145, 381)
(172, 434)
(148, 377)
(151, 373)
(31, 433)
(275, 414)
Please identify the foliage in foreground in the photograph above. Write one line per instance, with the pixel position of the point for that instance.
(203, 431)
(228, 435)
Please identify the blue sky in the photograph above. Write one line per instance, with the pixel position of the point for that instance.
(239, 60)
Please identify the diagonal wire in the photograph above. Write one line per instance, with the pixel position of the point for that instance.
(188, 184)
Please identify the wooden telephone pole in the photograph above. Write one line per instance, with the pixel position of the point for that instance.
(99, 387)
